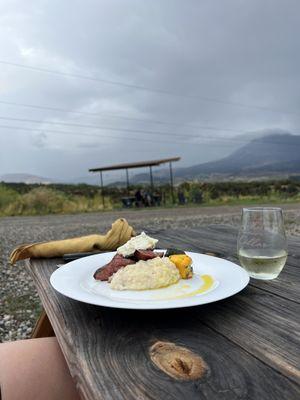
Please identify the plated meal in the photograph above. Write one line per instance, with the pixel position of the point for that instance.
(137, 266)
(140, 276)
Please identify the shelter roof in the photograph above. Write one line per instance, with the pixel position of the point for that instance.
(140, 164)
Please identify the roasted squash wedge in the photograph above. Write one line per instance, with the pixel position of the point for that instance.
(183, 264)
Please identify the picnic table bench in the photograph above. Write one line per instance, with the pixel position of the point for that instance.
(244, 347)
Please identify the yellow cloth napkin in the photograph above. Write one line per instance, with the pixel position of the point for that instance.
(119, 234)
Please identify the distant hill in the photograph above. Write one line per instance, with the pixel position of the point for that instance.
(268, 155)
(92, 179)
(25, 178)
(272, 155)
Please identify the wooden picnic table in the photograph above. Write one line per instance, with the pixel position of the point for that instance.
(244, 347)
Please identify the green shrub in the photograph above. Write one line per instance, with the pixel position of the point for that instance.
(7, 197)
(44, 200)
(214, 193)
(39, 201)
(292, 189)
(195, 194)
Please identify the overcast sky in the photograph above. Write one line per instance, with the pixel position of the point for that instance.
(210, 70)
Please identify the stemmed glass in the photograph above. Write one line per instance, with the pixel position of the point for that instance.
(262, 247)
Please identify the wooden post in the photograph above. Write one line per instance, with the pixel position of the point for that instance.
(171, 182)
(102, 191)
(151, 179)
(127, 181)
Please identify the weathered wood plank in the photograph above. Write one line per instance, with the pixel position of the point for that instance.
(257, 319)
(222, 241)
(262, 325)
(107, 351)
(250, 343)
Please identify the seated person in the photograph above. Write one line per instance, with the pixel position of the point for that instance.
(181, 197)
(138, 198)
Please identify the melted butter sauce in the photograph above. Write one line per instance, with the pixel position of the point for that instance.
(207, 284)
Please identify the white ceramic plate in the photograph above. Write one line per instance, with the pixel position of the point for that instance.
(214, 279)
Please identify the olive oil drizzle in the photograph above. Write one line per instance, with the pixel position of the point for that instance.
(207, 284)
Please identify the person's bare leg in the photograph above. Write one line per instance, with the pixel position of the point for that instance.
(35, 369)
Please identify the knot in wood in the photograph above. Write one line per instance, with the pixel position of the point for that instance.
(177, 361)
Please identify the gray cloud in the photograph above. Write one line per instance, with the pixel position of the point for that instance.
(236, 51)
(39, 140)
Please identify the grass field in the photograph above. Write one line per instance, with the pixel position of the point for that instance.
(21, 199)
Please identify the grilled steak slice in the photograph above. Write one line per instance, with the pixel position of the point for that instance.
(145, 255)
(117, 262)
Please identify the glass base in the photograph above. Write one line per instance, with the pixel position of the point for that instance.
(263, 277)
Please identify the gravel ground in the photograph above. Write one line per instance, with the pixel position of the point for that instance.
(19, 302)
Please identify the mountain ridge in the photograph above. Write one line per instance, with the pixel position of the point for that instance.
(270, 154)
(264, 156)
(24, 178)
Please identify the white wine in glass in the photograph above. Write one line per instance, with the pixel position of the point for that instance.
(262, 247)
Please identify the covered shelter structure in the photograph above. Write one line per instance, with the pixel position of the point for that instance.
(140, 164)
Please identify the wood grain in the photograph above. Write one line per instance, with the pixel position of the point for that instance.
(249, 344)
(269, 320)
(221, 241)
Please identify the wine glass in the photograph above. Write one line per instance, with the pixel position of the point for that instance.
(262, 247)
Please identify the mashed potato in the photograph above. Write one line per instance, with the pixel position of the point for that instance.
(151, 274)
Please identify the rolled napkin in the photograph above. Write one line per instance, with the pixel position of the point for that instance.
(119, 234)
